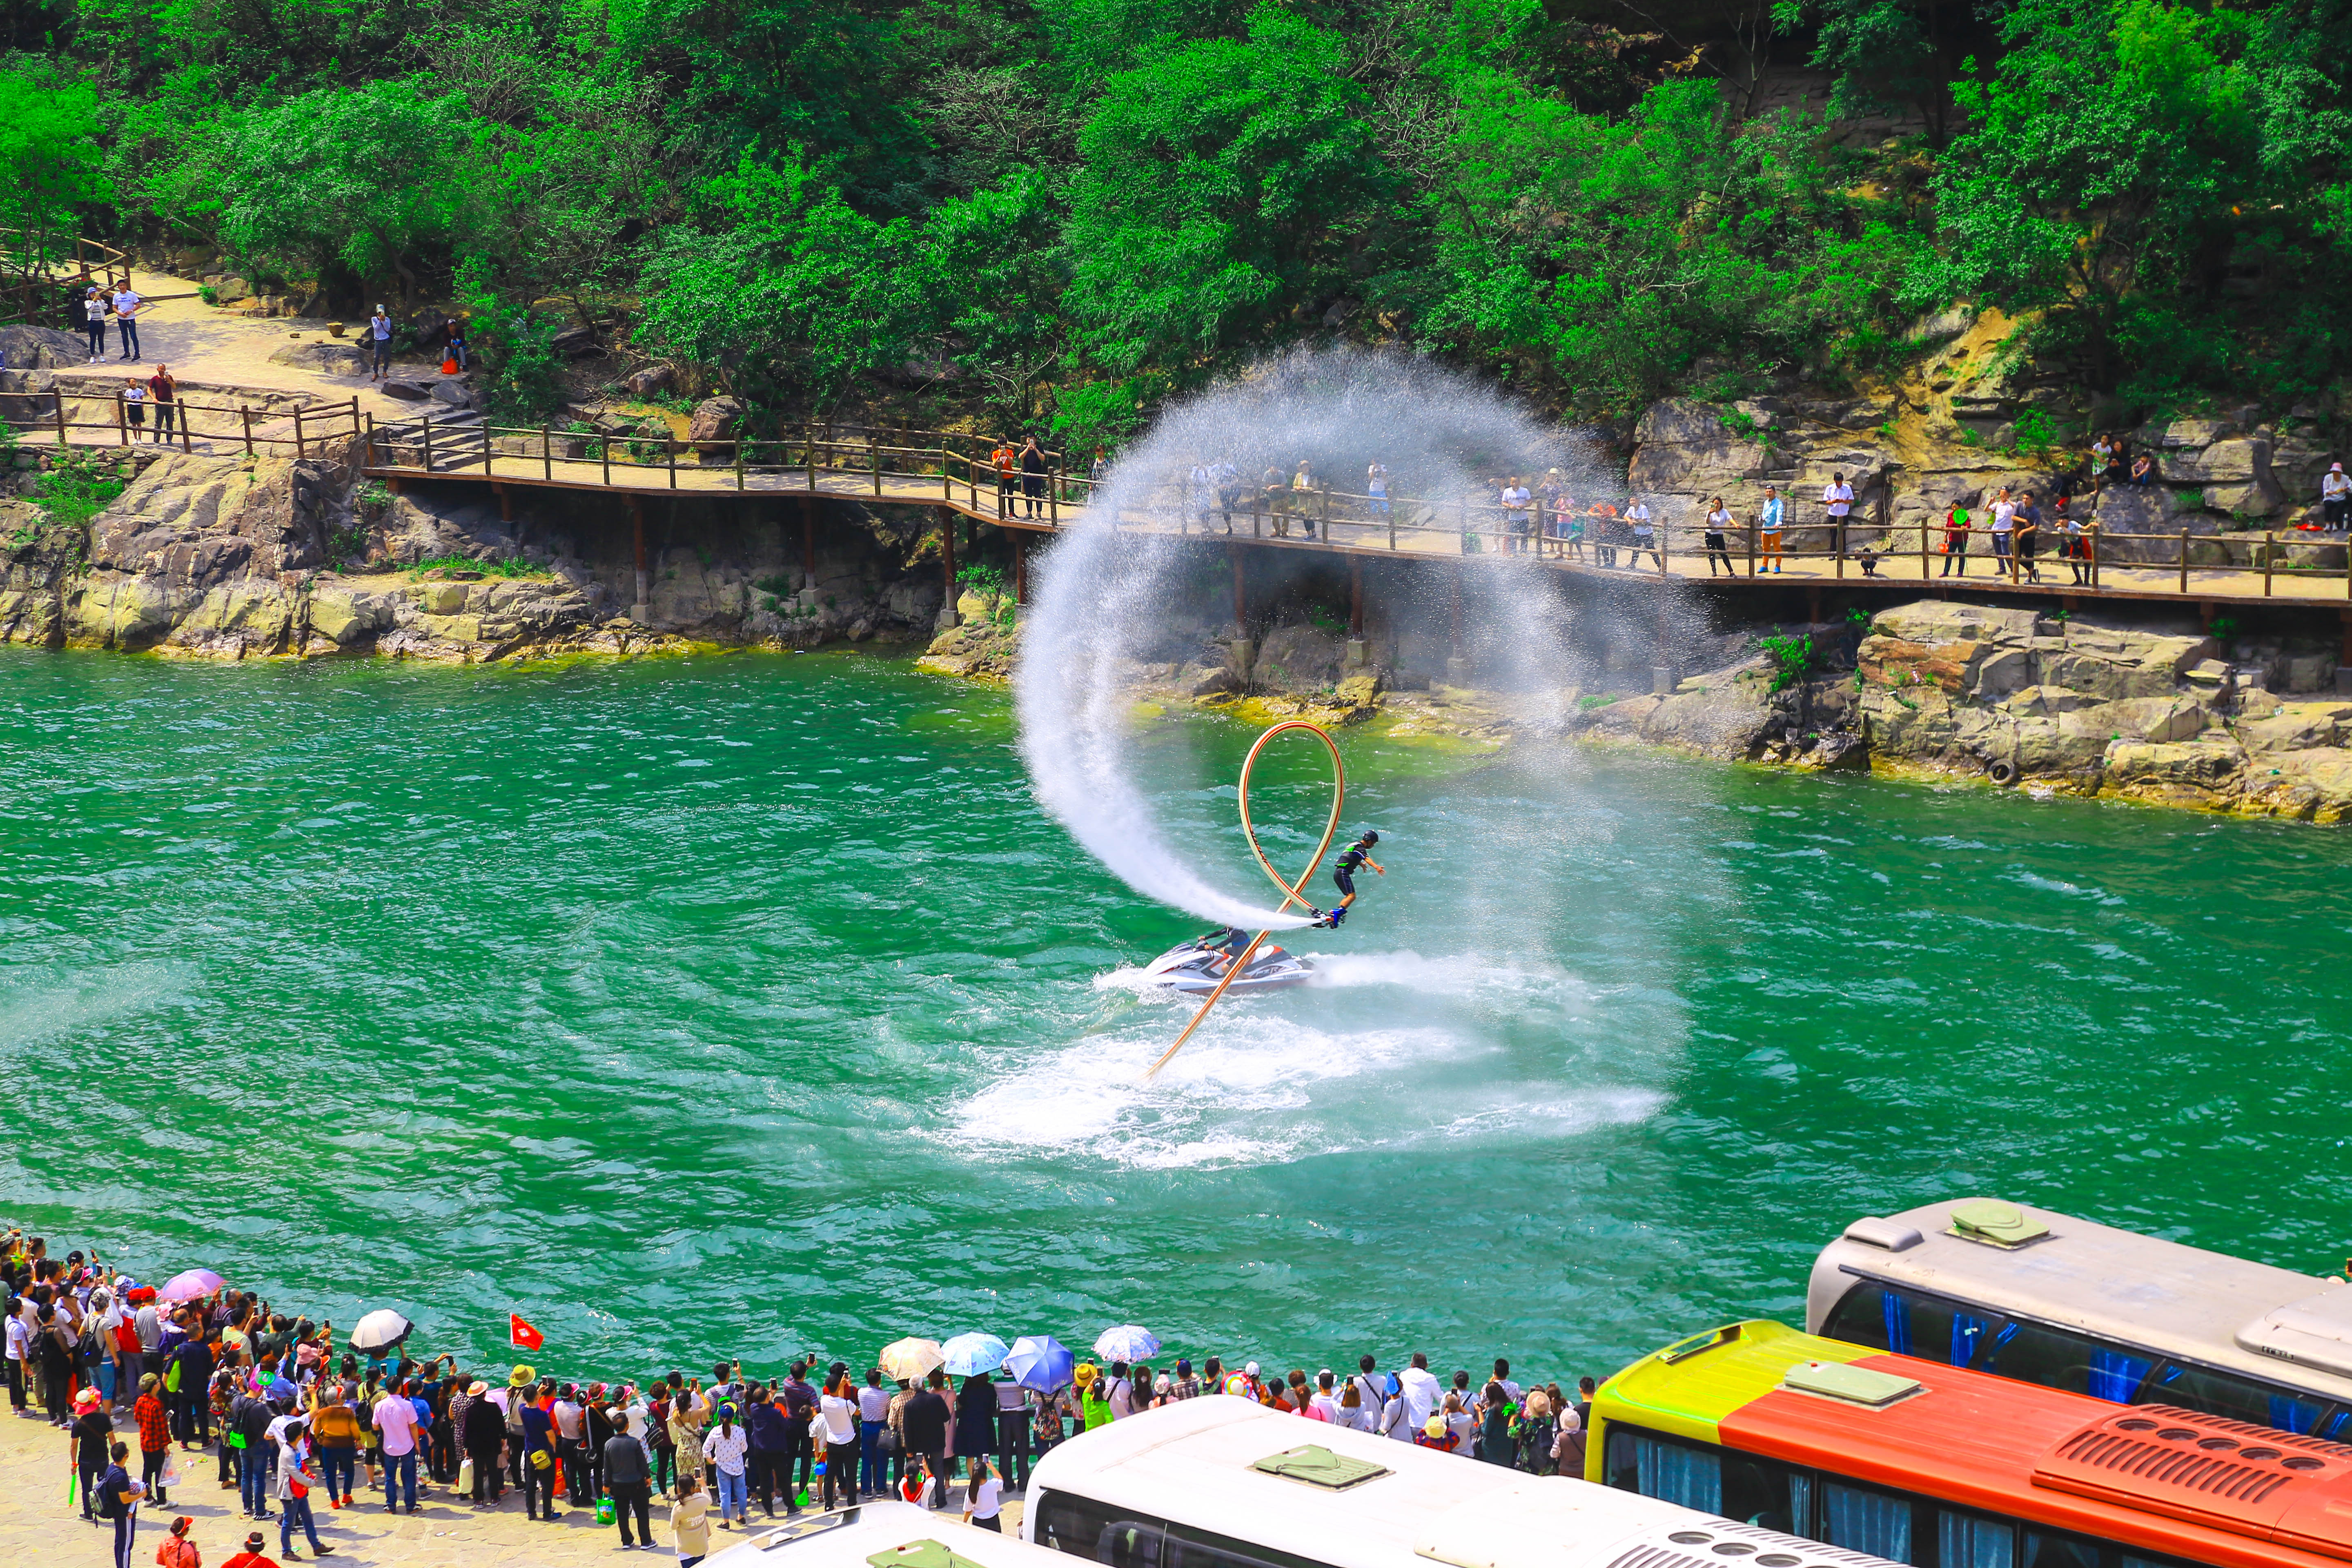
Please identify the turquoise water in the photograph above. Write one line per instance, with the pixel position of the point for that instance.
(750, 1002)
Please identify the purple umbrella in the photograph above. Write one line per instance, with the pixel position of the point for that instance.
(190, 1286)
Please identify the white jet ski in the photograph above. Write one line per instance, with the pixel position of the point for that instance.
(1196, 967)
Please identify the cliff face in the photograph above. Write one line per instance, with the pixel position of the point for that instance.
(1945, 429)
(230, 557)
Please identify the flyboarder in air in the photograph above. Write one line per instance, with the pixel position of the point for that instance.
(1343, 873)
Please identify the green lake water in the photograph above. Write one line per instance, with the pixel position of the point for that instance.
(750, 1003)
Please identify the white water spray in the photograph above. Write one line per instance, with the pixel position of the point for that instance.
(1102, 596)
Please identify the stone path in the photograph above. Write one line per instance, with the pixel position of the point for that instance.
(36, 1525)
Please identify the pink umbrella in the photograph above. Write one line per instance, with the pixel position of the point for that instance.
(190, 1286)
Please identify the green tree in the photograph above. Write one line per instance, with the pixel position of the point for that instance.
(1227, 191)
(51, 156)
(2106, 153)
(351, 185)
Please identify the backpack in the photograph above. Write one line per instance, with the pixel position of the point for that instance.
(109, 1500)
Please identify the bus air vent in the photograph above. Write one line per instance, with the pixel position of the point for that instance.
(2225, 1475)
(1851, 1385)
(1720, 1543)
(1887, 1234)
(2315, 1331)
(1995, 1223)
(1319, 1467)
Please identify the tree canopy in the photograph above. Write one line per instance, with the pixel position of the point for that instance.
(1061, 209)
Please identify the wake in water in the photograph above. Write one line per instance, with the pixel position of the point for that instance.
(1102, 599)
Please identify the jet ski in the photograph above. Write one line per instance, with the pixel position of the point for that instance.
(1196, 967)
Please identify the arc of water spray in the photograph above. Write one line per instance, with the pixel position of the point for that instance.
(1292, 892)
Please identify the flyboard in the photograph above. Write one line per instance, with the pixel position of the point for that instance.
(1292, 892)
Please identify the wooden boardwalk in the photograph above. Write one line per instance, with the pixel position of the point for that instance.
(960, 484)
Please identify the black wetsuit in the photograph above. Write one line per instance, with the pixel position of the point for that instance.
(1343, 870)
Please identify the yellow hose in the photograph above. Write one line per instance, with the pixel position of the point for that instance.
(1292, 892)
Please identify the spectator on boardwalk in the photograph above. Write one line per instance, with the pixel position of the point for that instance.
(163, 392)
(1006, 461)
(2075, 542)
(1302, 492)
(924, 1423)
(1646, 535)
(1837, 496)
(1033, 477)
(2336, 498)
(135, 407)
(126, 318)
(1718, 548)
(379, 331)
(1376, 485)
(2028, 534)
(1769, 524)
(2004, 526)
(836, 1426)
(1955, 539)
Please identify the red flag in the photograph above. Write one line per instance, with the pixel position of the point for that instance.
(524, 1336)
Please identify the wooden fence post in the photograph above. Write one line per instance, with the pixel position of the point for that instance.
(121, 421)
(546, 452)
(298, 450)
(247, 412)
(669, 444)
(873, 458)
(428, 443)
(2184, 561)
(2270, 558)
(367, 448)
(1054, 496)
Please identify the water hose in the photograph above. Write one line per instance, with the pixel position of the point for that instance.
(1292, 892)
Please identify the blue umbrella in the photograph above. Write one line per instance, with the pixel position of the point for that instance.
(968, 1356)
(1040, 1362)
(1127, 1342)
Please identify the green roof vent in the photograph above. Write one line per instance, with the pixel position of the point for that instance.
(1851, 1385)
(1996, 1224)
(1316, 1466)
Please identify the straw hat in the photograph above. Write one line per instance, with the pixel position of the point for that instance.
(478, 1389)
(1085, 1373)
(520, 1377)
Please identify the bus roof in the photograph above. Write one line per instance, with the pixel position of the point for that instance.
(1199, 1463)
(2114, 1285)
(886, 1534)
(2066, 1460)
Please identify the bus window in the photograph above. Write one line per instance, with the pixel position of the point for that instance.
(1085, 1528)
(1768, 1493)
(2047, 1549)
(2056, 1359)
(1863, 1518)
(2239, 1398)
(1190, 1548)
(1971, 1541)
(1637, 1462)
(1906, 1323)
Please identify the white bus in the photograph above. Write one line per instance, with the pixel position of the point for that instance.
(886, 1534)
(1220, 1482)
(2044, 1297)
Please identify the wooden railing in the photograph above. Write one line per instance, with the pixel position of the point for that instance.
(38, 272)
(252, 429)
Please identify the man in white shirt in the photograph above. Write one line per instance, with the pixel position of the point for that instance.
(379, 345)
(1645, 537)
(126, 311)
(396, 1417)
(19, 1339)
(1420, 1390)
(1122, 1392)
(1838, 496)
(2004, 524)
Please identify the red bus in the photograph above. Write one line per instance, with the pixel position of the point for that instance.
(1936, 1466)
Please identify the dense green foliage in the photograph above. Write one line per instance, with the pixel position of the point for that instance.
(1068, 208)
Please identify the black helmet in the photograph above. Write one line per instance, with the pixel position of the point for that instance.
(1371, 837)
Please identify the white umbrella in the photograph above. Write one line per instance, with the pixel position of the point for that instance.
(380, 1330)
(1127, 1342)
(910, 1358)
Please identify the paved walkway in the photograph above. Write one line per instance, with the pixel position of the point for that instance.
(37, 1526)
